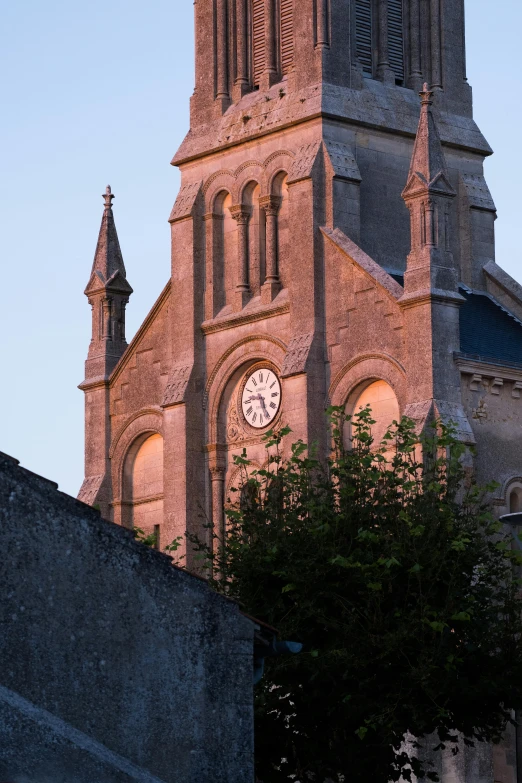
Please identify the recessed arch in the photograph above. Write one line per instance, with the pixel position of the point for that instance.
(512, 495)
(250, 349)
(363, 369)
(379, 396)
(141, 505)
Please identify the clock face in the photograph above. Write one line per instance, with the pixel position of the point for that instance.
(261, 398)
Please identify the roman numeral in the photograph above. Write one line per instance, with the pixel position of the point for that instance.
(250, 391)
(275, 394)
(267, 415)
(254, 419)
(273, 405)
(249, 411)
(272, 386)
(260, 377)
(254, 381)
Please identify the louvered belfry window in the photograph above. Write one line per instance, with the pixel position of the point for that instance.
(258, 40)
(287, 35)
(396, 39)
(364, 34)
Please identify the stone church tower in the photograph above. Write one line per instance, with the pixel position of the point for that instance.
(332, 243)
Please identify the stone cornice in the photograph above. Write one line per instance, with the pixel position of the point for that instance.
(487, 368)
(449, 298)
(94, 383)
(245, 317)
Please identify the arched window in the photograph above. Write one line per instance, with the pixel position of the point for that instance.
(364, 35)
(515, 500)
(282, 47)
(287, 36)
(258, 40)
(380, 397)
(280, 188)
(143, 493)
(366, 24)
(256, 237)
(396, 39)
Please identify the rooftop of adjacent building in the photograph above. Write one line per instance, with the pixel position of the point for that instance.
(488, 331)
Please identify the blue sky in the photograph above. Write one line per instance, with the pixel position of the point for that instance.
(97, 93)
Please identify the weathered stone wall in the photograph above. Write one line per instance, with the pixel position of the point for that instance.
(114, 665)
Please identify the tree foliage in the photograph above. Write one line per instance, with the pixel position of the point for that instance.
(388, 566)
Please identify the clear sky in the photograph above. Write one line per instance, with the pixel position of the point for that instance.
(97, 93)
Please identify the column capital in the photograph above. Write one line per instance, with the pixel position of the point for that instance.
(271, 204)
(241, 213)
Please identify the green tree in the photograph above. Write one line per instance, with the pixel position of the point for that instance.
(390, 569)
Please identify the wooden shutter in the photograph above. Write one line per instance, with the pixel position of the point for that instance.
(364, 34)
(258, 40)
(396, 38)
(287, 35)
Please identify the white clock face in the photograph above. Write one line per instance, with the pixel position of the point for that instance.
(261, 398)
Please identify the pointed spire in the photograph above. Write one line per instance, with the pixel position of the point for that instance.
(108, 269)
(428, 166)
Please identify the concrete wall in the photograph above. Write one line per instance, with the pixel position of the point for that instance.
(114, 665)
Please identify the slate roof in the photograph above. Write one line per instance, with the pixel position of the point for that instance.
(487, 330)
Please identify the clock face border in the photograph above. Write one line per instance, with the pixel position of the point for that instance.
(246, 376)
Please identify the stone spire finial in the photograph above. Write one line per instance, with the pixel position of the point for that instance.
(428, 166)
(108, 197)
(108, 269)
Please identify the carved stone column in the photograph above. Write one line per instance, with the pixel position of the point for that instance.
(222, 91)
(242, 85)
(214, 299)
(271, 206)
(436, 50)
(323, 38)
(271, 70)
(384, 72)
(107, 307)
(217, 473)
(415, 77)
(241, 215)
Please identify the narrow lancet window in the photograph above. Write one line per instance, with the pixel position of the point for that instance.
(364, 35)
(287, 36)
(258, 40)
(396, 39)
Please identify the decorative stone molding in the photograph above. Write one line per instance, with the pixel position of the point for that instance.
(177, 385)
(342, 161)
(367, 368)
(297, 355)
(146, 420)
(490, 377)
(304, 162)
(423, 413)
(215, 176)
(277, 154)
(185, 202)
(496, 385)
(477, 192)
(90, 488)
(249, 350)
(475, 383)
(250, 316)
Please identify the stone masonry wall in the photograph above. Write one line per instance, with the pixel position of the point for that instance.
(115, 666)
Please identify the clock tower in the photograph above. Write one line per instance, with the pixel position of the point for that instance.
(332, 243)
